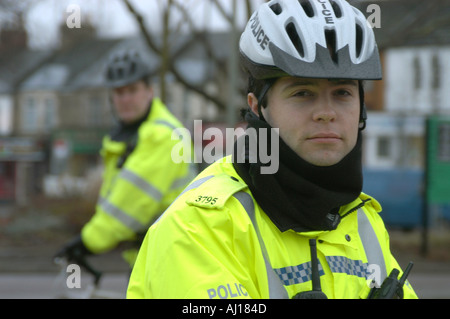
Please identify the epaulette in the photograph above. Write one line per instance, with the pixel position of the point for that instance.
(215, 192)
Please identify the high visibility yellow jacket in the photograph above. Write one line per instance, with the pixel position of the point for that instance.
(214, 241)
(134, 195)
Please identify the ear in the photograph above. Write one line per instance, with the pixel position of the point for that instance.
(252, 102)
(150, 92)
(363, 118)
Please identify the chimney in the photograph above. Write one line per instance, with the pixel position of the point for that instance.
(71, 35)
(13, 38)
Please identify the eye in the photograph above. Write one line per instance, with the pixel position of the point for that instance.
(344, 92)
(303, 93)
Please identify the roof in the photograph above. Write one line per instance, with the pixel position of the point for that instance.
(66, 66)
(17, 64)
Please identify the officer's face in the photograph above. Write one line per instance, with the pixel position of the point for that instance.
(317, 118)
(131, 101)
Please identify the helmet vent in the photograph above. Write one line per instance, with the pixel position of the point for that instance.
(330, 37)
(109, 74)
(307, 7)
(276, 8)
(120, 73)
(295, 39)
(359, 40)
(133, 68)
(336, 9)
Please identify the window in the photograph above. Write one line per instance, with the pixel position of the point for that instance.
(417, 73)
(94, 112)
(436, 76)
(30, 115)
(50, 114)
(384, 147)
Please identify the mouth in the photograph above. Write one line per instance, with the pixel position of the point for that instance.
(324, 137)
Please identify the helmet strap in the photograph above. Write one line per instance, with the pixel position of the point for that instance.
(267, 85)
(363, 111)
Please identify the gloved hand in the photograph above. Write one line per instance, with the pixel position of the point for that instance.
(74, 250)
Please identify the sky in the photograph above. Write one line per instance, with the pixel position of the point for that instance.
(113, 19)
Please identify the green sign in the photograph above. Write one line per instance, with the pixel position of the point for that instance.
(438, 160)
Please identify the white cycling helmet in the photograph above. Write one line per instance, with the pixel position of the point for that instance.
(309, 38)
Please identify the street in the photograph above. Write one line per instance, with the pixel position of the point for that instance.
(49, 286)
(42, 285)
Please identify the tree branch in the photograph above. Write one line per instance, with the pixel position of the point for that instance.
(171, 66)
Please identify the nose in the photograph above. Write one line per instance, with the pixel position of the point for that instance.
(324, 111)
(124, 97)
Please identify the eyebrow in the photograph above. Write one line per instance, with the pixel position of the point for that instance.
(344, 82)
(309, 82)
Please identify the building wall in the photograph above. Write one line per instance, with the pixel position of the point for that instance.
(85, 108)
(417, 80)
(374, 90)
(394, 141)
(38, 112)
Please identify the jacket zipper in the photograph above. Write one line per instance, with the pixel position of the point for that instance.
(354, 209)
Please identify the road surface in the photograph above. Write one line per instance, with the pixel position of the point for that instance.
(42, 285)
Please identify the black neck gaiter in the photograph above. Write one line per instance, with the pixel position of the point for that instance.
(124, 132)
(301, 196)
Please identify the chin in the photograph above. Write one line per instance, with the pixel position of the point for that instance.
(325, 163)
(323, 159)
(127, 118)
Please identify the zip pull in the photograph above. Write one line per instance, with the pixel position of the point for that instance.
(316, 292)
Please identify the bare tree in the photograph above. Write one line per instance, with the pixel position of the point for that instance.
(198, 37)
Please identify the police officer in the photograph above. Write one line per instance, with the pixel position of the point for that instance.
(140, 179)
(237, 232)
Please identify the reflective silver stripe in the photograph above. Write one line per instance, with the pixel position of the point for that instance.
(166, 123)
(141, 183)
(180, 130)
(276, 289)
(120, 215)
(371, 245)
(192, 170)
(195, 184)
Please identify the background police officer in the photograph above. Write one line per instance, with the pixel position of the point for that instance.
(140, 179)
